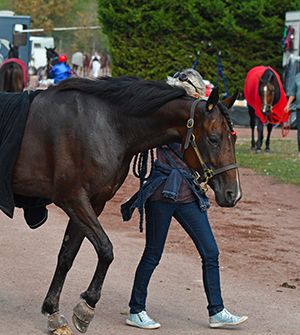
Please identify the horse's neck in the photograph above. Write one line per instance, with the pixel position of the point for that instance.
(165, 126)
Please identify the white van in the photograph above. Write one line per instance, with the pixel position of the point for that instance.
(38, 51)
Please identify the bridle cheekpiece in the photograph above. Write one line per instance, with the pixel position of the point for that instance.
(190, 139)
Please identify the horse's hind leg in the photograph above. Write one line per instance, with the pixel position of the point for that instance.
(72, 241)
(86, 217)
(269, 128)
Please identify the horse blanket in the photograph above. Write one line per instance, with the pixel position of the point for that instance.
(251, 92)
(14, 109)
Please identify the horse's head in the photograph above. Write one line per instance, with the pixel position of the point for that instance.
(267, 92)
(52, 55)
(13, 51)
(210, 148)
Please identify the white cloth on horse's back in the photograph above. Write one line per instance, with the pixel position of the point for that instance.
(13, 115)
(77, 59)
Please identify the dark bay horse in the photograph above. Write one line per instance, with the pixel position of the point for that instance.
(13, 51)
(79, 140)
(52, 57)
(266, 100)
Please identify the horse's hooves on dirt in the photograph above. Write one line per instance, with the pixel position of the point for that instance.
(79, 325)
(65, 330)
(83, 315)
(58, 325)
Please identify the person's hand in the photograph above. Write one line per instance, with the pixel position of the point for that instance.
(287, 108)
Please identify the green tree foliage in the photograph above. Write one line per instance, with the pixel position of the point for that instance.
(44, 14)
(152, 39)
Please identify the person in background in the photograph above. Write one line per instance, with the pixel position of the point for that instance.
(77, 62)
(294, 96)
(13, 76)
(171, 192)
(95, 65)
(60, 70)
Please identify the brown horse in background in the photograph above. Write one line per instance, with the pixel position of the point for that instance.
(86, 64)
(79, 140)
(266, 100)
(106, 64)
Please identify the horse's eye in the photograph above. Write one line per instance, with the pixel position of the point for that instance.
(213, 140)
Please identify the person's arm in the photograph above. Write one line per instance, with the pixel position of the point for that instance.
(288, 105)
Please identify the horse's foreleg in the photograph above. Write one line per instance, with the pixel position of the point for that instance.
(86, 217)
(269, 128)
(72, 241)
(252, 125)
(260, 136)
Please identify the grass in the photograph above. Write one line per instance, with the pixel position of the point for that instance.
(282, 163)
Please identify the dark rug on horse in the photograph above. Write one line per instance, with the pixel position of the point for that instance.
(14, 109)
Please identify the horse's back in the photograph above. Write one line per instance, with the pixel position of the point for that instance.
(66, 140)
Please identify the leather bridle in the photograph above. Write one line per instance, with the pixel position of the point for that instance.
(190, 139)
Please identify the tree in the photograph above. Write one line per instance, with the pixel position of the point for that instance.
(152, 39)
(48, 14)
(44, 14)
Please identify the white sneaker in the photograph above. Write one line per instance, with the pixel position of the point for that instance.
(225, 318)
(142, 320)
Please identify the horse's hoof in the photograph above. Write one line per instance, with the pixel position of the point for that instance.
(258, 151)
(58, 325)
(267, 150)
(83, 315)
(65, 330)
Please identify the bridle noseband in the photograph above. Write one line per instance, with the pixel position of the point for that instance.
(190, 139)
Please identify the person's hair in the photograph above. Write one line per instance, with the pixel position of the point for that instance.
(11, 77)
(194, 77)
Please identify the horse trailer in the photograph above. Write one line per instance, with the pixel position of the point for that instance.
(11, 34)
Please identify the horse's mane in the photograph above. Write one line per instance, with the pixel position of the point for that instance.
(134, 95)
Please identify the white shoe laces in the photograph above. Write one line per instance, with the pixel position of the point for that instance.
(144, 316)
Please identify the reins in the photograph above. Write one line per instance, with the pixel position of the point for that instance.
(140, 170)
(190, 139)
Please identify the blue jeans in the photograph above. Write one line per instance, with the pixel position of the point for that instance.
(195, 223)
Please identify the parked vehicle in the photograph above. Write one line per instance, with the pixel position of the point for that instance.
(12, 34)
(38, 51)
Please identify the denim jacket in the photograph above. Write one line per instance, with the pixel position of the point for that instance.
(172, 177)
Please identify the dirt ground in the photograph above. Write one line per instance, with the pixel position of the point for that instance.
(259, 242)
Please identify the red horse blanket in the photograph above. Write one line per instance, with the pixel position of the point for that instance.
(251, 92)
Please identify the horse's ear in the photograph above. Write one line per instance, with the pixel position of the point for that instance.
(213, 99)
(228, 102)
(46, 48)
